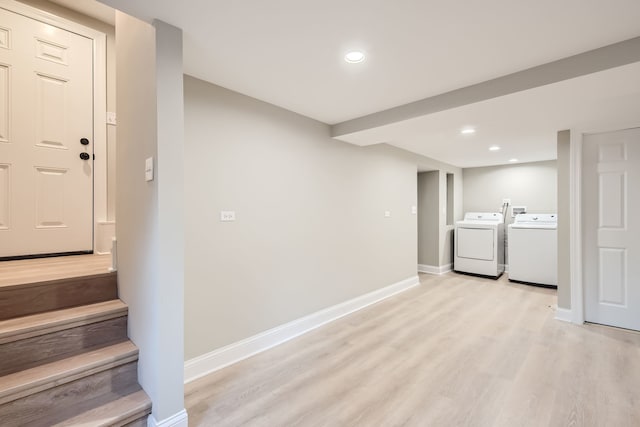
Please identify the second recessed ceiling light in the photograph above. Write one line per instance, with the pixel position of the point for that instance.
(354, 56)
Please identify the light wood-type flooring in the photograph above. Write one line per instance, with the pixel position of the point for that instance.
(455, 351)
(41, 269)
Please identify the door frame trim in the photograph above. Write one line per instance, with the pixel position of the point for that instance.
(99, 40)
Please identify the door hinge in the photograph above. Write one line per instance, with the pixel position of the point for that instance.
(94, 157)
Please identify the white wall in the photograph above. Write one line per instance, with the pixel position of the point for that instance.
(530, 184)
(310, 230)
(150, 227)
(564, 220)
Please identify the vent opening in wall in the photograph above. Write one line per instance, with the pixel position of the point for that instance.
(517, 210)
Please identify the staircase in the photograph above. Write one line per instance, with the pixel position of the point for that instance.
(65, 359)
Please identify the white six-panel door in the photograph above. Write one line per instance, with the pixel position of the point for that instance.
(611, 215)
(46, 108)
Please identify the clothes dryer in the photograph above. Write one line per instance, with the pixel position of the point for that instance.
(479, 244)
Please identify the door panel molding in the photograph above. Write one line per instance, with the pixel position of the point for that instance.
(613, 270)
(5, 96)
(5, 202)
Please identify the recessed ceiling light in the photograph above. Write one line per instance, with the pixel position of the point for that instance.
(494, 148)
(467, 131)
(513, 160)
(354, 57)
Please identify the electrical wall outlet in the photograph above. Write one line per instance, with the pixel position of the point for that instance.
(506, 201)
(227, 216)
(387, 214)
(414, 210)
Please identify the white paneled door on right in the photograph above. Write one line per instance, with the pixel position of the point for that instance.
(46, 109)
(611, 207)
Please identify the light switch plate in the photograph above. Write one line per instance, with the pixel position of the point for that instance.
(148, 169)
(227, 216)
(414, 210)
(111, 118)
(387, 214)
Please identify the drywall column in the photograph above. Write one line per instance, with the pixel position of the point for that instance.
(171, 227)
(564, 220)
(150, 228)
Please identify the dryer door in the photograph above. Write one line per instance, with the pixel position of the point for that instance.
(475, 243)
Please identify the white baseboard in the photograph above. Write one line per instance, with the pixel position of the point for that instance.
(181, 419)
(564, 314)
(432, 269)
(232, 353)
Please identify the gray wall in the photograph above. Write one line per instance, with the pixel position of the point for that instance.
(310, 230)
(446, 231)
(150, 225)
(429, 218)
(564, 250)
(530, 184)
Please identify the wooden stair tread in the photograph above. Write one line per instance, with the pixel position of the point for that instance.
(12, 285)
(118, 412)
(44, 377)
(54, 268)
(52, 321)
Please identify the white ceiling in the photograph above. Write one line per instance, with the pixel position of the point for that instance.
(90, 8)
(290, 53)
(523, 124)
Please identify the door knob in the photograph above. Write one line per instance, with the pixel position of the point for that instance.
(84, 156)
(84, 141)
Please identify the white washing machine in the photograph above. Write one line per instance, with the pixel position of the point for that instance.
(479, 244)
(533, 249)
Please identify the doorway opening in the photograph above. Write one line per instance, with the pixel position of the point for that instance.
(57, 175)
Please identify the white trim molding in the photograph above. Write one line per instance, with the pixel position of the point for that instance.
(181, 419)
(575, 231)
(105, 233)
(232, 353)
(432, 269)
(564, 314)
